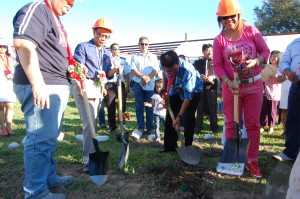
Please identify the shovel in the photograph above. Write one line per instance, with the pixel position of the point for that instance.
(98, 161)
(186, 153)
(278, 182)
(235, 150)
(123, 136)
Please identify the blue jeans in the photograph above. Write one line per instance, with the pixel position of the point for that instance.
(42, 129)
(141, 96)
(292, 139)
(102, 114)
(157, 120)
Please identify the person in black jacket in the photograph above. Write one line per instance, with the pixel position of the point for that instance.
(208, 101)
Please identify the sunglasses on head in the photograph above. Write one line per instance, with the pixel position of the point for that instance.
(227, 17)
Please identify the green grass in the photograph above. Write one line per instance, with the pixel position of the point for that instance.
(148, 174)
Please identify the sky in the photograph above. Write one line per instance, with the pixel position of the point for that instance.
(159, 20)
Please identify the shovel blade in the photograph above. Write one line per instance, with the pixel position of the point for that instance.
(230, 151)
(188, 154)
(98, 165)
(124, 150)
(234, 156)
(235, 151)
(278, 182)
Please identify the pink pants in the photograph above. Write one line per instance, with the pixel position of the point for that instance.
(250, 100)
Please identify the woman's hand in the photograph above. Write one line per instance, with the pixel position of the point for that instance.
(251, 64)
(232, 86)
(78, 86)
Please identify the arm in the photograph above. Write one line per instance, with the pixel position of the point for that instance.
(285, 64)
(150, 104)
(30, 63)
(127, 79)
(261, 48)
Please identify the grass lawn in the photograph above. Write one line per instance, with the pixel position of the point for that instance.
(148, 174)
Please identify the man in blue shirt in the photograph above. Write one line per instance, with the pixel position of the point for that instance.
(289, 66)
(144, 67)
(95, 57)
(184, 87)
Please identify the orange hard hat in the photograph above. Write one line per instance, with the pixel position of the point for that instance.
(103, 23)
(228, 8)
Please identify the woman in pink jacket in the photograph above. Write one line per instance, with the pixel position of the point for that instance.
(238, 38)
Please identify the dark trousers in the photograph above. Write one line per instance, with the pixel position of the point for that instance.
(110, 100)
(292, 137)
(268, 112)
(208, 99)
(171, 138)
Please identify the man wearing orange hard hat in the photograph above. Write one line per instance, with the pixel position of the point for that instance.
(95, 58)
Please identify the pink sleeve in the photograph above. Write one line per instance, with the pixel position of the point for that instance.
(261, 47)
(218, 61)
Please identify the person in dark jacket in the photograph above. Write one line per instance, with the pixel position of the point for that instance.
(208, 99)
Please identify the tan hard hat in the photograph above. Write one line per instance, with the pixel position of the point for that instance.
(103, 23)
(228, 8)
(269, 71)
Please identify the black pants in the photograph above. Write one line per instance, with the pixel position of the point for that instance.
(171, 138)
(110, 99)
(208, 99)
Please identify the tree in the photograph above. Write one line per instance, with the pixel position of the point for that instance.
(278, 16)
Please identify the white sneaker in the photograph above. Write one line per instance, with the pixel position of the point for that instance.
(136, 134)
(281, 157)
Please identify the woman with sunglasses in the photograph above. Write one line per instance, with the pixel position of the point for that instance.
(240, 48)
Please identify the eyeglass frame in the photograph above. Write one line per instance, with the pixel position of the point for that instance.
(101, 36)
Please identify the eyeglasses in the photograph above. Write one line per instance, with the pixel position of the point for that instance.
(102, 35)
(173, 71)
(2, 46)
(144, 44)
(115, 48)
(225, 18)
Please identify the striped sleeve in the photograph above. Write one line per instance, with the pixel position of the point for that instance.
(32, 22)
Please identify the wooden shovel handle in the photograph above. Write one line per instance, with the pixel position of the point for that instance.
(87, 110)
(236, 99)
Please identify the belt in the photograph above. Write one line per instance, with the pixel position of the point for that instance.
(249, 80)
(90, 78)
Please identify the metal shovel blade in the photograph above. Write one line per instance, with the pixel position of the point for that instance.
(234, 157)
(188, 155)
(278, 182)
(98, 165)
(124, 150)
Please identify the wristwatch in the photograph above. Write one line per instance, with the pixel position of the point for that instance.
(142, 76)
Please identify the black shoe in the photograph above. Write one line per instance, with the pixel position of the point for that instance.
(167, 150)
(112, 129)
